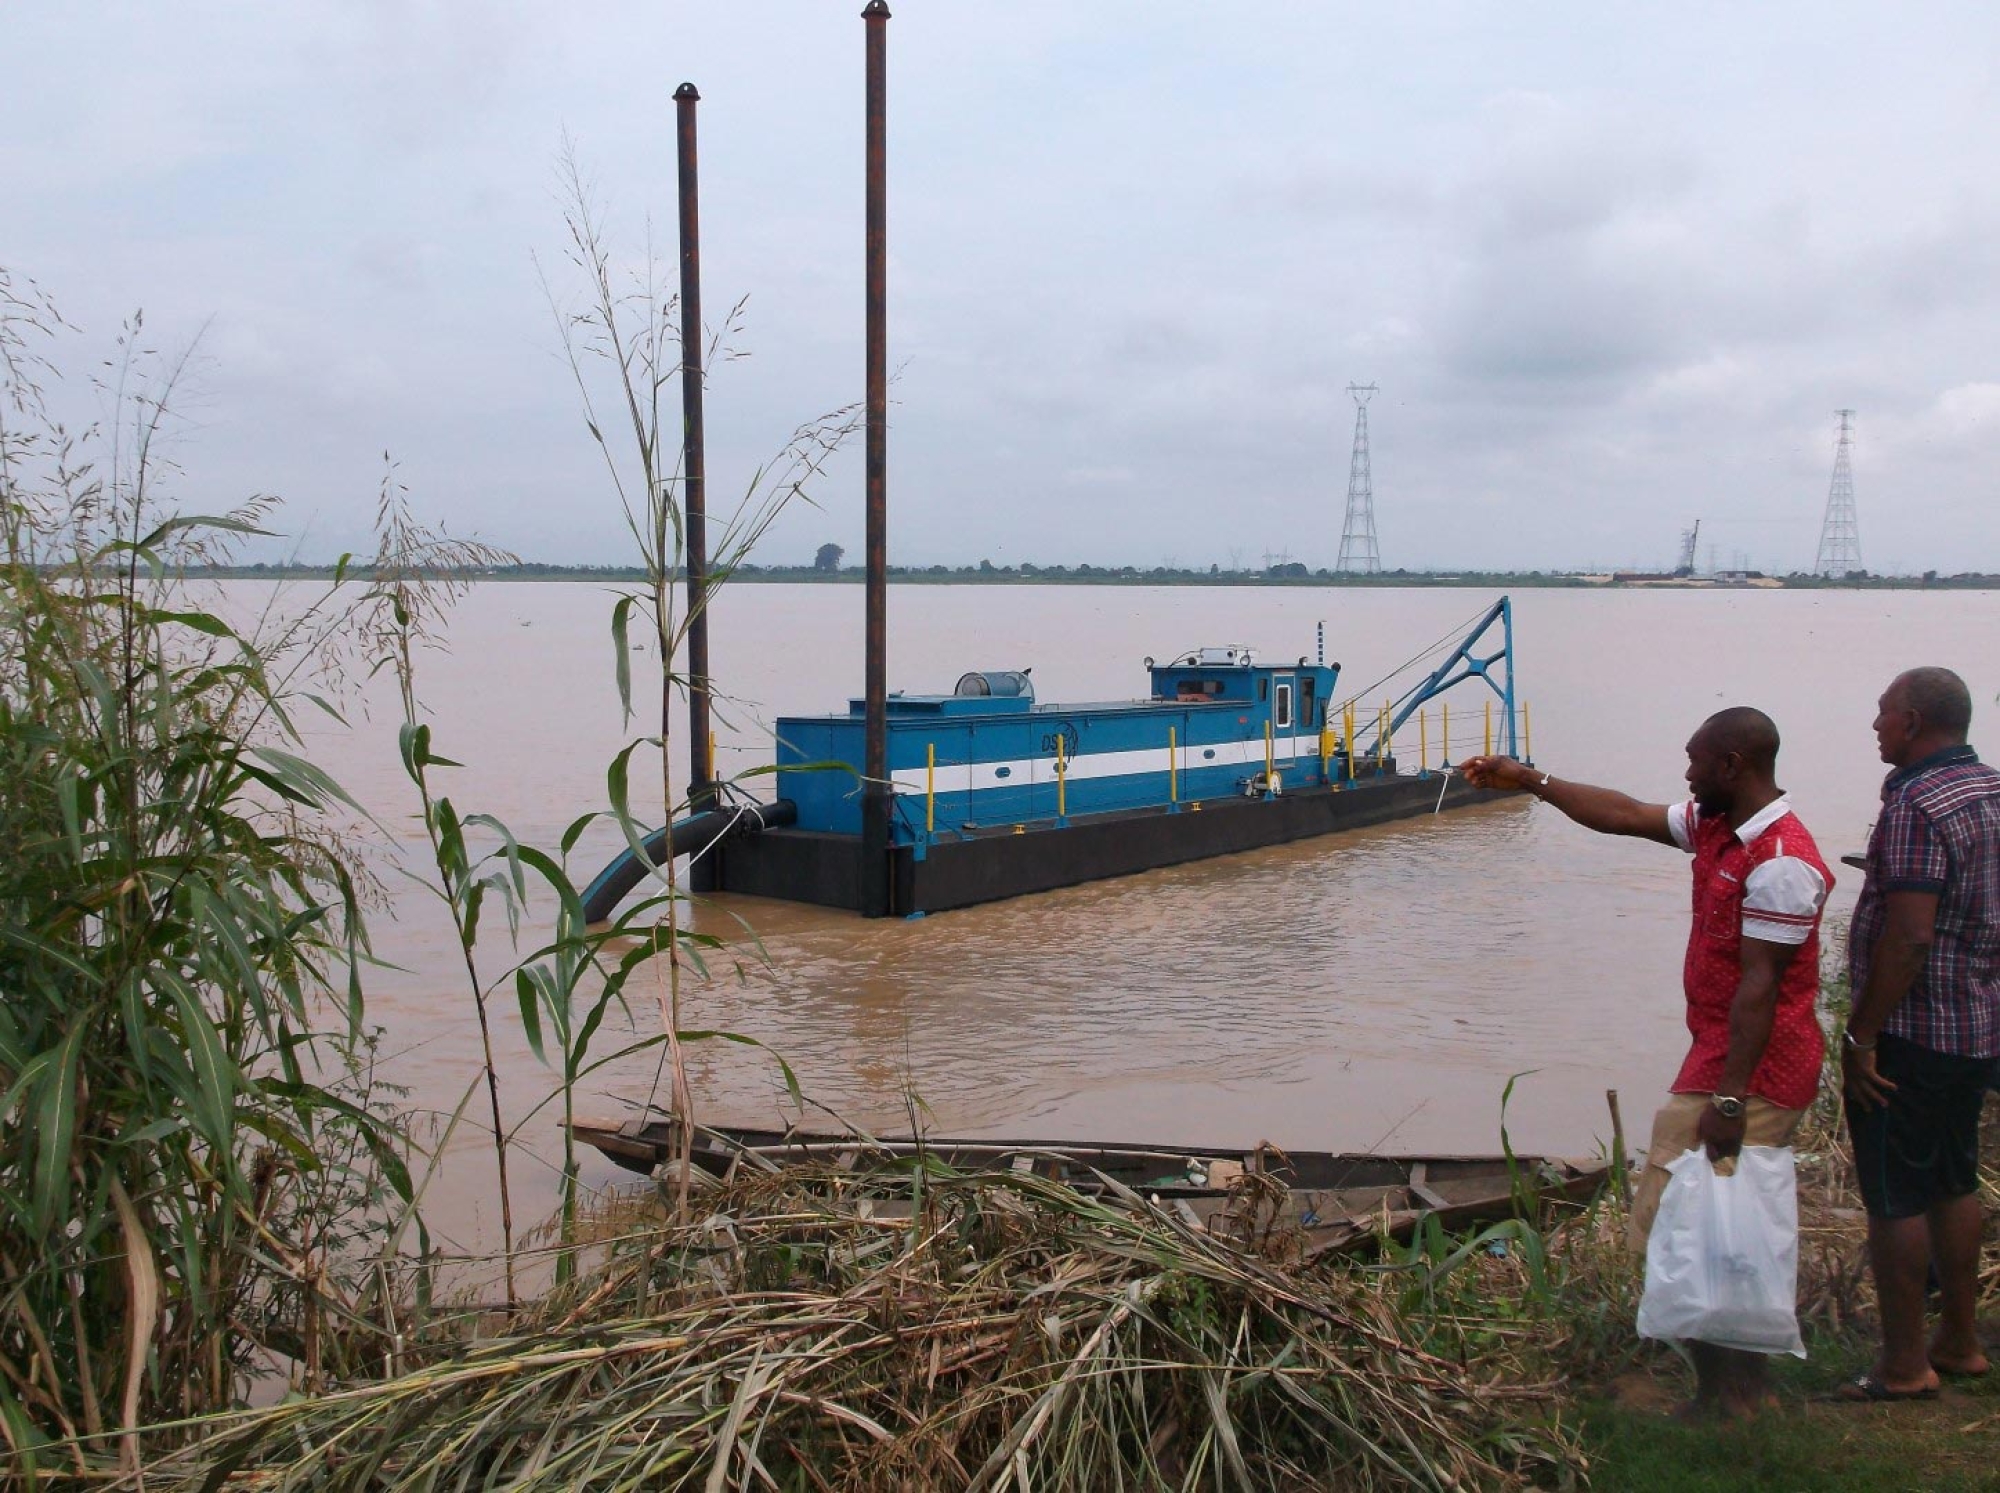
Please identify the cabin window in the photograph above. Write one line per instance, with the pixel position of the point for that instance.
(1307, 688)
(1263, 690)
(1284, 710)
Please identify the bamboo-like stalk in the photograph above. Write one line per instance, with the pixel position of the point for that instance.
(623, 349)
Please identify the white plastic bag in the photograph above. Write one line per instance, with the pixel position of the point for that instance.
(1722, 1262)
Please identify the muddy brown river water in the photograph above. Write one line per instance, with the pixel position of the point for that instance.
(1373, 990)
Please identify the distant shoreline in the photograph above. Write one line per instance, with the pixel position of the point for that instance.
(1091, 575)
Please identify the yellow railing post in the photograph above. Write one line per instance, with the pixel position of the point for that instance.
(1445, 732)
(1173, 775)
(930, 788)
(1383, 745)
(1062, 779)
(1527, 734)
(1489, 728)
(1347, 720)
(1423, 741)
(1270, 761)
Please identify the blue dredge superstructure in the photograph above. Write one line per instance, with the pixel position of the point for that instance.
(995, 794)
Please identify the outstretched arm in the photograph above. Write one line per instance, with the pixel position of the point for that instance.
(1605, 810)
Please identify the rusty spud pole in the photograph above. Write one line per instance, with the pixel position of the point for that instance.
(701, 767)
(876, 800)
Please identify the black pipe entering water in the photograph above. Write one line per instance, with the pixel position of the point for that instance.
(690, 836)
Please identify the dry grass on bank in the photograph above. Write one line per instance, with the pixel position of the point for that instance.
(816, 1329)
(1012, 1333)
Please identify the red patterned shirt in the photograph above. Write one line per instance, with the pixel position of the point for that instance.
(1765, 880)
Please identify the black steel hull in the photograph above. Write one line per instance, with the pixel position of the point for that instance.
(991, 864)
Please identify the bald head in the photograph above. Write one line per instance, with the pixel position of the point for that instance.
(1940, 699)
(1747, 732)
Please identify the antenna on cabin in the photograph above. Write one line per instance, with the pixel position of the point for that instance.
(1840, 535)
(1359, 554)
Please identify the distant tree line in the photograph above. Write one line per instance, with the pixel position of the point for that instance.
(826, 567)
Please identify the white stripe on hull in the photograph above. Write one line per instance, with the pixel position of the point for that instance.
(964, 777)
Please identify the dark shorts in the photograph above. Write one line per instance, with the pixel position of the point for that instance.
(1923, 1146)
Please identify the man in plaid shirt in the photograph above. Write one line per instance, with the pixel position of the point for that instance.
(1921, 1043)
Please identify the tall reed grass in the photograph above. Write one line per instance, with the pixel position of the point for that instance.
(180, 936)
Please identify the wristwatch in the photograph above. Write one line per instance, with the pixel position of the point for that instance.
(1729, 1107)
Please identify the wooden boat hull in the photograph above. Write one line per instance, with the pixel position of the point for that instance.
(1334, 1201)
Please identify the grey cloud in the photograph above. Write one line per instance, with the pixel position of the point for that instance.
(1607, 278)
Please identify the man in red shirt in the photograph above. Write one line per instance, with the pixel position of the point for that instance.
(1751, 976)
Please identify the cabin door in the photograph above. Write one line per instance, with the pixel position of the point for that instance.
(1284, 719)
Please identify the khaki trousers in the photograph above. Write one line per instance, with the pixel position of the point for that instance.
(1765, 1124)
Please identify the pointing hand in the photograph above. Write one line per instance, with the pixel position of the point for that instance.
(1495, 772)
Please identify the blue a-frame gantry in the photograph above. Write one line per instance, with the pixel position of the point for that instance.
(1467, 662)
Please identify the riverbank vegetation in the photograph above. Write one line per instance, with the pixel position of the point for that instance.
(817, 1327)
(191, 1150)
(810, 1329)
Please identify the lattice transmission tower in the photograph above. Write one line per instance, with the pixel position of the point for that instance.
(1840, 534)
(1358, 552)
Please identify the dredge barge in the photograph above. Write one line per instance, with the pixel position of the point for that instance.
(993, 794)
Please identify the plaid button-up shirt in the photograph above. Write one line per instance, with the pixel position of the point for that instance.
(1940, 832)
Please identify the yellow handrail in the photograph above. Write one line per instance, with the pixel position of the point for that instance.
(1062, 780)
(1173, 775)
(930, 787)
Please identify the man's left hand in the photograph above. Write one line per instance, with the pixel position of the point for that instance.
(1861, 1082)
(1724, 1138)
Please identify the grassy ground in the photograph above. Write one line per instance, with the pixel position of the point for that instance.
(1810, 1442)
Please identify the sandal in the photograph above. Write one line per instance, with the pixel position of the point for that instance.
(1866, 1389)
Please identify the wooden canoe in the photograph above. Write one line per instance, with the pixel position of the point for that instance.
(1336, 1200)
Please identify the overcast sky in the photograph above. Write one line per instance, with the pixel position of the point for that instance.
(1613, 267)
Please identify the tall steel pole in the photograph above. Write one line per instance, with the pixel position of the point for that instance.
(876, 801)
(701, 767)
